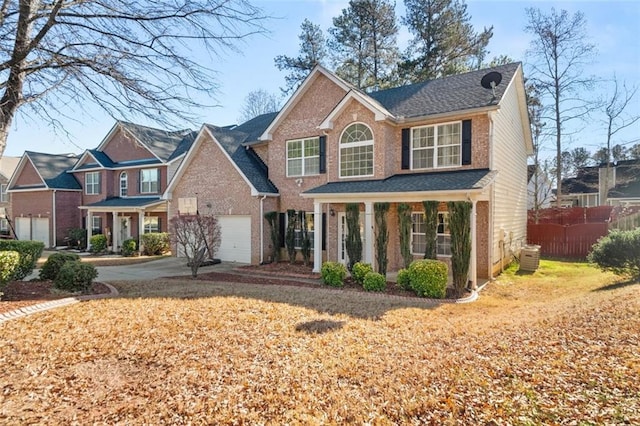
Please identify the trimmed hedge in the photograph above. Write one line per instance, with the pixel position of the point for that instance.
(374, 281)
(75, 276)
(333, 273)
(360, 270)
(404, 279)
(9, 261)
(429, 278)
(129, 247)
(618, 252)
(155, 243)
(98, 244)
(53, 264)
(29, 251)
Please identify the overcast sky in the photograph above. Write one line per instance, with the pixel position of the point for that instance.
(612, 26)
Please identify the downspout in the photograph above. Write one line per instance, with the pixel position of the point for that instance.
(262, 229)
(53, 217)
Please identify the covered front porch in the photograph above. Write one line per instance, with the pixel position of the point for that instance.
(120, 219)
(412, 189)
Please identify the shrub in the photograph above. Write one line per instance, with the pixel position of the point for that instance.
(129, 247)
(404, 279)
(333, 273)
(9, 261)
(29, 251)
(374, 281)
(618, 252)
(98, 244)
(75, 276)
(77, 238)
(429, 278)
(53, 264)
(155, 243)
(360, 270)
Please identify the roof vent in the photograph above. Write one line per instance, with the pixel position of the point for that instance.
(490, 81)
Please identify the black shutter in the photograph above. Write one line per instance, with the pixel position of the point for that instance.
(159, 224)
(406, 149)
(466, 142)
(99, 182)
(324, 231)
(139, 181)
(281, 228)
(323, 154)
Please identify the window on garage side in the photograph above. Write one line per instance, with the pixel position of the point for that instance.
(303, 157)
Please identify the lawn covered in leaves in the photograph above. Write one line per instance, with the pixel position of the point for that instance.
(559, 346)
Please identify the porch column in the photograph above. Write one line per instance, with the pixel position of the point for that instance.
(473, 267)
(115, 232)
(140, 229)
(317, 236)
(368, 233)
(89, 226)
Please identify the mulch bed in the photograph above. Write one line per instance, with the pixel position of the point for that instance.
(19, 294)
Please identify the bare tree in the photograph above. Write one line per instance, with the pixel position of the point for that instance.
(195, 236)
(560, 51)
(129, 58)
(256, 103)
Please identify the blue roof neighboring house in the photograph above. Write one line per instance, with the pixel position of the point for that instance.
(53, 170)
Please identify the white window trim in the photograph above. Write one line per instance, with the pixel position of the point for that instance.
(93, 185)
(126, 184)
(4, 225)
(4, 195)
(95, 219)
(353, 145)
(142, 182)
(435, 147)
(437, 235)
(144, 224)
(298, 230)
(303, 156)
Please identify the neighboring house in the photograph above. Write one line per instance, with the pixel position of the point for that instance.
(113, 190)
(123, 178)
(44, 197)
(7, 167)
(593, 186)
(448, 139)
(539, 190)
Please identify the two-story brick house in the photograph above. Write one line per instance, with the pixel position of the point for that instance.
(114, 189)
(445, 140)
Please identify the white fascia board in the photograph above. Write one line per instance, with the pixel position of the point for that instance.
(480, 194)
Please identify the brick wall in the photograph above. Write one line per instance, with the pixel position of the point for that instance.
(123, 147)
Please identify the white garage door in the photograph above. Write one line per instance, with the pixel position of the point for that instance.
(23, 228)
(235, 245)
(41, 230)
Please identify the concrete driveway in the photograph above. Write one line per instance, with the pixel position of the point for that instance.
(165, 267)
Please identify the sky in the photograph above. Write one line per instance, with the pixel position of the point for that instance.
(612, 26)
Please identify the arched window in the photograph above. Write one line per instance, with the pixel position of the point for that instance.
(123, 184)
(356, 151)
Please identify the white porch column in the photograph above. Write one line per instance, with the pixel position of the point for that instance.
(140, 229)
(317, 236)
(89, 226)
(368, 233)
(473, 267)
(115, 233)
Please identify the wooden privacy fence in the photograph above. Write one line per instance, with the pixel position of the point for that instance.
(573, 241)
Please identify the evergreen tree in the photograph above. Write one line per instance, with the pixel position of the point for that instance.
(313, 51)
(363, 43)
(444, 41)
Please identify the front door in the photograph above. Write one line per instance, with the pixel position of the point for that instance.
(343, 257)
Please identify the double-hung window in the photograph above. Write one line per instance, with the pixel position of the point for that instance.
(149, 181)
(438, 146)
(4, 196)
(418, 237)
(92, 183)
(303, 157)
(124, 184)
(151, 224)
(298, 236)
(356, 151)
(96, 225)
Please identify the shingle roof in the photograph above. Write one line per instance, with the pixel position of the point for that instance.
(448, 94)
(53, 169)
(256, 126)
(627, 180)
(126, 202)
(414, 182)
(161, 142)
(244, 157)
(586, 182)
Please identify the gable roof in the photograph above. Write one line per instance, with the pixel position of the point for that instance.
(160, 143)
(52, 169)
(8, 166)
